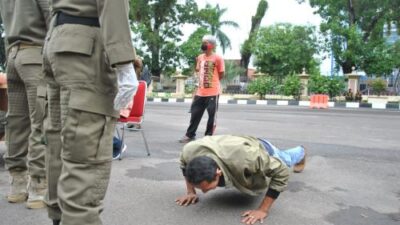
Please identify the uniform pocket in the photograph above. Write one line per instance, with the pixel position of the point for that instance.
(31, 55)
(70, 51)
(87, 137)
(41, 103)
(73, 44)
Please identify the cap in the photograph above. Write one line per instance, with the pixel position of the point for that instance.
(210, 39)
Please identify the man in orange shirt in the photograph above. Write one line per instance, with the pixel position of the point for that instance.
(210, 69)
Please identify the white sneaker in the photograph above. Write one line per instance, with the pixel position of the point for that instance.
(124, 148)
(118, 155)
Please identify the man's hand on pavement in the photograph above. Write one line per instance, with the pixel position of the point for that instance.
(187, 200)
(252, 216)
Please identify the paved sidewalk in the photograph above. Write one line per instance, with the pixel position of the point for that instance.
(351, 105)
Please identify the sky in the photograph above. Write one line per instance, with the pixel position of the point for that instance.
(279, 11)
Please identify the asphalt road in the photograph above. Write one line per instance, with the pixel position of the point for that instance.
(352, 176)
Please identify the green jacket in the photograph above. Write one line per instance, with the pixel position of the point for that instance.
(243, 160)
(25, 21)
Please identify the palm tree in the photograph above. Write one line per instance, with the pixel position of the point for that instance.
(2, 46)
(210, 17)
(246, 51)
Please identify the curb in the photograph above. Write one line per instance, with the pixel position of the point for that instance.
(350, 105)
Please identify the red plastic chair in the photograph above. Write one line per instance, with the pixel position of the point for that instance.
(136, 115)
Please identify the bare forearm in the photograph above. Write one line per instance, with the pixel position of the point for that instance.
(189, 188)
(266, 204)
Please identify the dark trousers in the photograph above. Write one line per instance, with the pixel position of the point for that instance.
(199, 105)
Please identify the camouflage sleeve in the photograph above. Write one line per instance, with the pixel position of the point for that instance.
(278, 172)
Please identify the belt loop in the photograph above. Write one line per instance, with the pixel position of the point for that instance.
(13, 51)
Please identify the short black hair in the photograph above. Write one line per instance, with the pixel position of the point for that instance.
(201, 169)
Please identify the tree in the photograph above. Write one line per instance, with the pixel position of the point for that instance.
(283, 49)
(378, 59)
(262, 86)
(246, 51)
(2, 47)
(157, 25)
(232, 70)
(336, 86)
(351, 26)
(292, 86)
(191, 49)
(318, 84)
(378, 85)
(210, 17)
(326, 85)
(383, 60)
(396, 58)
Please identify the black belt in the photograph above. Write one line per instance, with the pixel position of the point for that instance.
(63, 18)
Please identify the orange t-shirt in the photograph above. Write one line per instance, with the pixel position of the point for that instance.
(208, 68)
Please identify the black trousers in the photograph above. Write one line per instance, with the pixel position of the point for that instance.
(199, 105)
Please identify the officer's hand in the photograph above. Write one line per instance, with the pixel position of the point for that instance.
(252, 216)
(138, 65)
(127, 85)
(187, 200)
(3, 79)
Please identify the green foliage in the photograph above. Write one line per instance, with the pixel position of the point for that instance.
(232, 70)
(336, 86)
(191, 49)
(262, 86)
(378, 59)
(318, 84)
(292, 86)
(326, 85)
(396, 61)
(2, 47)
(157, 29)
(351, 55)
(353, 27)
(395, 51)
(378, 85)
(189, 88)
(211, 18)
(284, 49)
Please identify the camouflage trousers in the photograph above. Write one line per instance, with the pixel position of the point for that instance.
(24, 119)
(81, 123)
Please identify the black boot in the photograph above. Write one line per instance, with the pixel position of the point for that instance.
(56, 222)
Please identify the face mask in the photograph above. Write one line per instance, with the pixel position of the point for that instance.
(204, 47)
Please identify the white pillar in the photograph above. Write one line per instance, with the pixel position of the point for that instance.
(304, 83)
(180, 83)
(353, 82)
